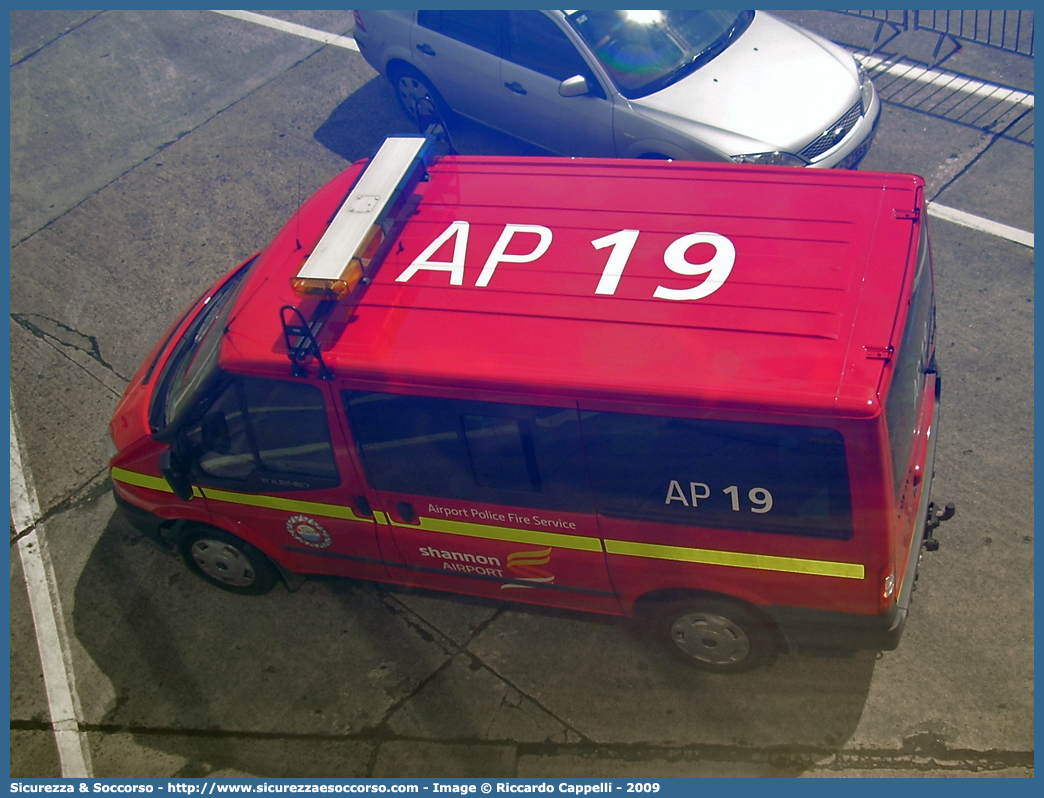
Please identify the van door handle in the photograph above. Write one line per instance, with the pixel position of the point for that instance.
(426, 49)
(518, 88)
(406, 512)
(363, 506)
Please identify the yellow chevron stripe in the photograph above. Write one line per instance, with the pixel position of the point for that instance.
(144, 481)
(248, 499)
(289, 505)
(736, 559)
(731, 559)
(509, 534)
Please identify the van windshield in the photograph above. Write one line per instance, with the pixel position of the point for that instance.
(645, 51)
(194, 359)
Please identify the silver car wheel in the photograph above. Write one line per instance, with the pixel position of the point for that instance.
(413, 94)
(223, 562)
(710, 638)
(425, 108)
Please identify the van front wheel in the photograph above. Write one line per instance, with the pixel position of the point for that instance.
(228, 562)
(715, 635)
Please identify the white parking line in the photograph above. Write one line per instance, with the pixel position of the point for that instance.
(978, 223)
(52, 641)
(347, 42)
(880, 65)
(944, 80)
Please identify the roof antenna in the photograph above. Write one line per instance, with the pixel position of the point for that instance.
(298, 214)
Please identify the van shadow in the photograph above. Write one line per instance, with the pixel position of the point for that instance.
(615, 683)
(311, 683)
(358, 125)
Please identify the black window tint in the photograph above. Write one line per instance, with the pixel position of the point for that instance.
(258, 429)
(477, 451)
(756, 477)
(904, 393)
(536, 42)
(480, 29)
(193, 362)
(288, 420)
(222, 440)
(501, 452)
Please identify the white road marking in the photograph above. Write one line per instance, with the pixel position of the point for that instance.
(51, 638)
(944, 80)
(347, 42)
(978, 223)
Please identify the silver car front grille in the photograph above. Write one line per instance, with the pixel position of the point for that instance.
(833, 135)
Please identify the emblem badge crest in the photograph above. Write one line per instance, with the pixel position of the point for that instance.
(308, 531)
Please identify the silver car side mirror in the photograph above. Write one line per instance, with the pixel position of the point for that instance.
(575, 86)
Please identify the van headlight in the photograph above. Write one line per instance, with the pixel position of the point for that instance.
(777, 158)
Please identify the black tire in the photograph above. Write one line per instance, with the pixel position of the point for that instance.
(423, 104)
(227, 562)
(715, 635)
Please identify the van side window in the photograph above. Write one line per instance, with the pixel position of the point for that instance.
(725, 475)
(476, 451)
(904, 392)
(269, 433)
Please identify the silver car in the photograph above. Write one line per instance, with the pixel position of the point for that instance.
(701, 85)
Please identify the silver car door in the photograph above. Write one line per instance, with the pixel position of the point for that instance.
(459, 53)
(537, 58)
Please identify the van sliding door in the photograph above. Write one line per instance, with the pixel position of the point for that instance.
(483, 498)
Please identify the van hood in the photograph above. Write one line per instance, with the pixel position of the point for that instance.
(775, 85)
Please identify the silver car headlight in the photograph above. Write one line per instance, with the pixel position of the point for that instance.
(866, 87)
(777, 158)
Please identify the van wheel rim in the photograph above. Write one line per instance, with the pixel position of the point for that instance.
(710, 638)
(223, 562)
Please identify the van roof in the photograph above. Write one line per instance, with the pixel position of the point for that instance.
(798, 325)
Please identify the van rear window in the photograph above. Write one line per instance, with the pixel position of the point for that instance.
(725, 475)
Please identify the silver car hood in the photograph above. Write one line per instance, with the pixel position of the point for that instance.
(774, 86)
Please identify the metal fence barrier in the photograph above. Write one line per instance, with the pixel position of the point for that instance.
(1011, 31)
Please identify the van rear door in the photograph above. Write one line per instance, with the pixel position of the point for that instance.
(910, 408)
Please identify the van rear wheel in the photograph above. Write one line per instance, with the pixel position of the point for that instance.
(228, 562)
(715, 635)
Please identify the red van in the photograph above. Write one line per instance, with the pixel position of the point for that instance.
(703, 392)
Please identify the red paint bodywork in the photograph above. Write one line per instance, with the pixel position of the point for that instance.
(821, 281)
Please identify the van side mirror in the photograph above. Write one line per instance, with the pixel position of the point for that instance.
(177, 476)
(575, 86)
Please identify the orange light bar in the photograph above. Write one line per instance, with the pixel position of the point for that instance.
(345, 283)
(338, 262)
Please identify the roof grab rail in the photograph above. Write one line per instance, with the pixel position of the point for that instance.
(301, 344)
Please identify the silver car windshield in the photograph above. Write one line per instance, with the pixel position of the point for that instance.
(645, 51)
